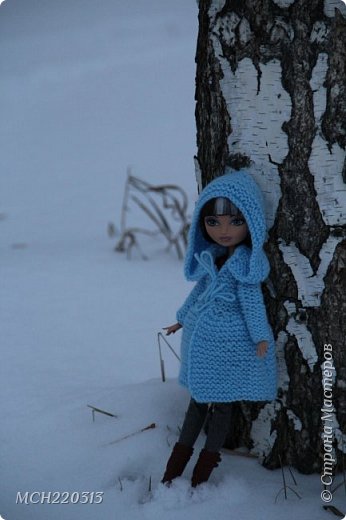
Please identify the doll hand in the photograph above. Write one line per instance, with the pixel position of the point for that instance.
(172, 328)
(262, 348)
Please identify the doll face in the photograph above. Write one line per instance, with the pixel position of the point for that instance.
(226, 230)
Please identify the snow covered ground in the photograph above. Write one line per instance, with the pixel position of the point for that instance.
(87, 89)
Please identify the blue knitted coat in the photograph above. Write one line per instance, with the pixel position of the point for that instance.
(224, 316)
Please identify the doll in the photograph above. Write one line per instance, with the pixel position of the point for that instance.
(227, 347)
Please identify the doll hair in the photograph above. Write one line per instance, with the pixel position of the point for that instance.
(220, 206)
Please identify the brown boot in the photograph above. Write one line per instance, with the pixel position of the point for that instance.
(180, 456)
(207, 461)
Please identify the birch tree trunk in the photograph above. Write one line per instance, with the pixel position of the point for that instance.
(270, 90)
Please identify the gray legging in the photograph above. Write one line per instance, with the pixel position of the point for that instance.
(218, 424)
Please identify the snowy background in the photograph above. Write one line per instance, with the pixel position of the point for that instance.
(89, 88)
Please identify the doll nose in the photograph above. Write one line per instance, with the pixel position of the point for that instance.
(225, 227)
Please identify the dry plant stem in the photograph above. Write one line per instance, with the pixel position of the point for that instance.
(130, 237)
(160, 335)
(170, 195)
(283, 477)
(124, 206)
(151, 426)
(162, 364)
(291, 473)
(285, 486)
(160, 222)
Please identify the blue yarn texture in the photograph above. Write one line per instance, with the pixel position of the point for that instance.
(224, 316)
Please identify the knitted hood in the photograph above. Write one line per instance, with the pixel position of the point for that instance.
(247, 265)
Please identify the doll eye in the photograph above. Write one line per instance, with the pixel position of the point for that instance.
(211, 221)
(237, 221)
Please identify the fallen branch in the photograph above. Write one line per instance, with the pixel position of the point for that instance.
(94, 409)
(151, 426)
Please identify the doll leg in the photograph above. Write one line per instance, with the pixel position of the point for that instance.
(218, 426)
(194, 420)
(209, 457)
(183, 449)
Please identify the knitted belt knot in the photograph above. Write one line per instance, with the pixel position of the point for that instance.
(205, 259)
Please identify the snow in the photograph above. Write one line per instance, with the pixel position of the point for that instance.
(262, 432)
(87, 89)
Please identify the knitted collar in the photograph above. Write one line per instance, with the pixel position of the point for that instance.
(238, 264)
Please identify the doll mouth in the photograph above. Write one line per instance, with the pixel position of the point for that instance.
(225, 239)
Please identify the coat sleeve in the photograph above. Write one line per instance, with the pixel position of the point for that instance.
(191, 299)
(254, 311)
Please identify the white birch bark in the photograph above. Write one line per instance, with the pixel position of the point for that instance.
(270, 92)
